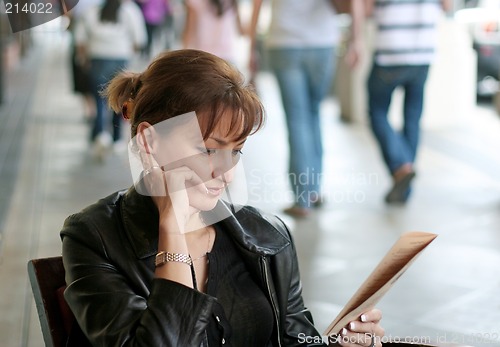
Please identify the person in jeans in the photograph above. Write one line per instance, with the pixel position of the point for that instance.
(79, 69)
(107, 36)
(301, 45)
(404, 49)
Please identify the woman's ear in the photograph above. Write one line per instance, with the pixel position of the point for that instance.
(147, 143)
(146, 138)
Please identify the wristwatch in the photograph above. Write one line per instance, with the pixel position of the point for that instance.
(164, 257)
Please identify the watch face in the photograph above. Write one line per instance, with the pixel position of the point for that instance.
(159, 259)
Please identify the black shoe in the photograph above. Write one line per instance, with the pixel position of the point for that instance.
(317, 202)
(400, 191)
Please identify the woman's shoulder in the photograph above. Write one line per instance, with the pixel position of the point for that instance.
(90, 218)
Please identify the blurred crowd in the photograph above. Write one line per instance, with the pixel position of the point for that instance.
(301, 44)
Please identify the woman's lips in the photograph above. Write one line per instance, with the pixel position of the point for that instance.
(215, 191)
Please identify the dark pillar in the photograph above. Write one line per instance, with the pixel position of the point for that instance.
(2, 63)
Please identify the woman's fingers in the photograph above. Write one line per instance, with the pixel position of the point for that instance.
(349, 338)
(154, 181)
(183, 178)
(374, 315)
(162, 182)
(365, 332)
(367, 329)
(169, 190)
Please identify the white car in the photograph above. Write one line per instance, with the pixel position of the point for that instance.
(483, 21)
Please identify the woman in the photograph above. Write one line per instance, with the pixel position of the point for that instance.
(79, 69)
(146, 267)
(107, 37)
(157, 15)
(212, 26)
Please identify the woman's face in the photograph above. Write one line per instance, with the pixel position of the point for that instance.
(212, 160)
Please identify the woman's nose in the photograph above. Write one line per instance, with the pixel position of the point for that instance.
(223, 164)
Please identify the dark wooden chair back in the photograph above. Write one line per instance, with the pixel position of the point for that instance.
(46, 276)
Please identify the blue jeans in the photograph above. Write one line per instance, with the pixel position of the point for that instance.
(304, 76)
(398, 148)
(101, 72)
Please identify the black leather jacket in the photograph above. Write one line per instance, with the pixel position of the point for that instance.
(108, 254)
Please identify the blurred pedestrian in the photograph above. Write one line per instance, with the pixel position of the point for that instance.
(156, 15)
(404, 49)
(301, 44)
(212, 26)
(79, 69)
(107, 37)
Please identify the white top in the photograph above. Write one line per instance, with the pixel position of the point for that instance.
(302, 23)
(210, 32)
(82, 6)
(406, 31)
(112, 40)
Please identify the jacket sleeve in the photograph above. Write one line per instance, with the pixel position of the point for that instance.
(298, 329)
(111, 312)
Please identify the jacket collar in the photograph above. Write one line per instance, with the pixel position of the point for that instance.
(254, 231)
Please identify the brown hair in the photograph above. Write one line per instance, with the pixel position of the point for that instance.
(182, 81)
(222, 6)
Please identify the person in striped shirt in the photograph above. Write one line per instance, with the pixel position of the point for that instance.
(404, 48)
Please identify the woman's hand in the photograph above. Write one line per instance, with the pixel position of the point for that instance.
(353, 55)
(168, 190)
(253, 64)
(365, 332)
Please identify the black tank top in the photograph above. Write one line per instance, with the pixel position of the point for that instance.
(243, 315)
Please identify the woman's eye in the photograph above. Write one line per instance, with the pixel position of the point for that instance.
(237, 152)
(208, 151)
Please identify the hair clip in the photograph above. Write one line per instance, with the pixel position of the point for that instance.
(125, 114)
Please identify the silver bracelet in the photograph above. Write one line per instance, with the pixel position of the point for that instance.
(164, 257)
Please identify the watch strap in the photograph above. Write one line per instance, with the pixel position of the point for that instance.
(165, 257)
